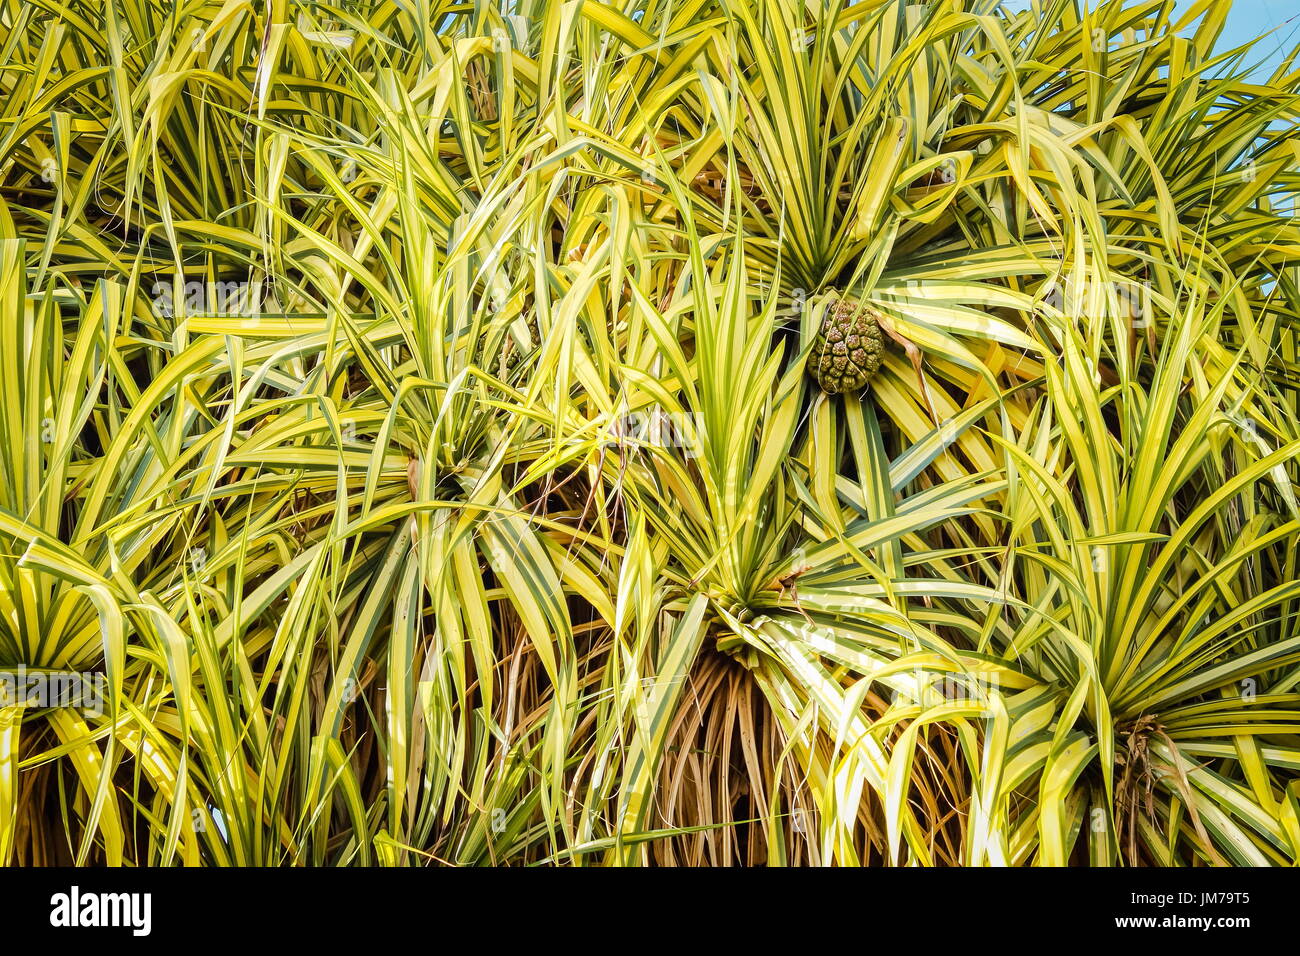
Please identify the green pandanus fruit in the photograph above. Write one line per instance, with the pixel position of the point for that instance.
(848, 347)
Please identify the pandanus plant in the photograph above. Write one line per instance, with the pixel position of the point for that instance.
(953, 550)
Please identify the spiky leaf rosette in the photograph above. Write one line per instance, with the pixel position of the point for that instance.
(846, 352)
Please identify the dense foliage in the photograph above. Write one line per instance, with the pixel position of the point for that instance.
(410, 418)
